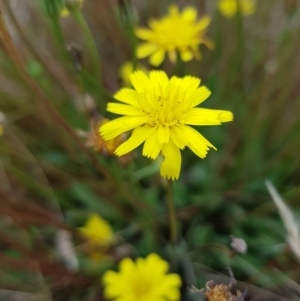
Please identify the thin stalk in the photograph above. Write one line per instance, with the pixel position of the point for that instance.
(60, 39)
(91, 44)
(171, 209)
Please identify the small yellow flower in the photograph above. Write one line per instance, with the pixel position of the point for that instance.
(176, 32)
(146, 280)
(229, 8)
(65, 12)
(126, 70)
(160, 111)
(99, 236)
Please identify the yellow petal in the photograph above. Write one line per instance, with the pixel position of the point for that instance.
(159, 78)
(157, 57)
(170, 285)
(152, 147)
(145, 50)
(127, 265)
(161, 266)
(189, 13)
(189, 85)
(172, 56)
(196, 142)
(143, 33)
(128, 96)
(163, 134)
(199, 116)
(140, 81)
(170, 167)
(178, 137)
(174, 88)
(160, 83)
(186, 55)
(120, 125)
(111, 281)
(123, 109)
(138, 136)
(200, 95)
(203, 23)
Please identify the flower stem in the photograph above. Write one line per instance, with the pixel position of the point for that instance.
(171, 209)
(91, 44)
(60, 40)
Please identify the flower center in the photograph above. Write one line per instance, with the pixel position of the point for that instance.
(184, 36)
(142, 288)
(165, 112)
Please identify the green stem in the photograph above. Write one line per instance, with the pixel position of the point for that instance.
(59, 38)
(90, 42)
(171, 209)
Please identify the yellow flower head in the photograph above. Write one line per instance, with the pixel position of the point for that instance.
(177, 32)
(160, 111)
(70, 4)
(98, 234)
(146, 279)
(229, 8)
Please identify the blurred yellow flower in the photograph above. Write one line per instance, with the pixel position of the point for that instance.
(176, 32)
(229, 8)
(98, 234)
(65, 12)
(159, 111)
(143, 280)
(126, 70)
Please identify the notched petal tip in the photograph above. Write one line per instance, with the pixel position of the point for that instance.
(226, 116)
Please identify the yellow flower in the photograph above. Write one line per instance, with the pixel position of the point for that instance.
(177, 32)
(98, 234)
(126, 70)
(160, 111)
(70, 4)
(229, 8)
(146, 280)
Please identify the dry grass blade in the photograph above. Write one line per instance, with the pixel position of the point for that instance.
(288, 219)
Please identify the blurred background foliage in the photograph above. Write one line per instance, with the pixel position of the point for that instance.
(53, 83)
